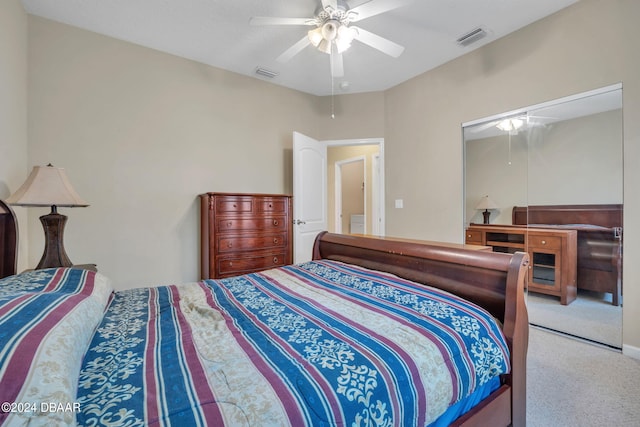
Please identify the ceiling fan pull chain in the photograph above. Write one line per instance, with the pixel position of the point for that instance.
(333, 116)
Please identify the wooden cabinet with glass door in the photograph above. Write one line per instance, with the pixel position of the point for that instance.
(552, 255)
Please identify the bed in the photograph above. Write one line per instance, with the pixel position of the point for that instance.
(353, 337)
(599, 228)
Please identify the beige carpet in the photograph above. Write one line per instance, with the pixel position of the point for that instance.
(590, 316)
(572, 383)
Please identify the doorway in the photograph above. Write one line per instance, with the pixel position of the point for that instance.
(350, 195)
(313, 206)
(341, 156)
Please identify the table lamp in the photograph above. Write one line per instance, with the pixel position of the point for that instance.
(486, 203)
(49, 186)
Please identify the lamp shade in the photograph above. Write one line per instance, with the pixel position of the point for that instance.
(47, 186)
(486, 203)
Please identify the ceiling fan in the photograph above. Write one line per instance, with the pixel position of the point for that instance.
(333, 32)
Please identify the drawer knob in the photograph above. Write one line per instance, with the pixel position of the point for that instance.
(270, 205)
(275, 240)
(275, 259)
(276, 222)
(544, 242)
(229, 244)
(229, 223)
(230, 263)
(469, 236)
(235, 206)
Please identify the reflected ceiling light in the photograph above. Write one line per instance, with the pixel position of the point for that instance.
(509, 125)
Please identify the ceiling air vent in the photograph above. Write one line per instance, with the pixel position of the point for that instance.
(266, 73)
(472, 36)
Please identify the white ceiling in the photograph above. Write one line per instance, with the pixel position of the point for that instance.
(218, 33)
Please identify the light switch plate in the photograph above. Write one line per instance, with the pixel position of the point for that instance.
(399, 203)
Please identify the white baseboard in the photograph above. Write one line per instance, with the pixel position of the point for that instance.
(631, 351)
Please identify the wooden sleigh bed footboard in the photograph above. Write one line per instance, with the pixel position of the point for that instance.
(490, 280)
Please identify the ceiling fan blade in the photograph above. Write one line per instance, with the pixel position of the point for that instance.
(294, 50)
(337, 66)
(380, 43)
(330, 3)
(376, 7)
(267, 20)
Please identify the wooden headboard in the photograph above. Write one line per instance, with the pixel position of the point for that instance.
(8, 240)
(602, 215)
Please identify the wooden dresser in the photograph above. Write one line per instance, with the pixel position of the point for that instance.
(552, 255)
(243, 233)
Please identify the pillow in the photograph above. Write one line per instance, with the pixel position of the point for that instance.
(47, 319)
(66, 280)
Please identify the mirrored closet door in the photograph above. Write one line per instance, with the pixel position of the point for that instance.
(547, 180)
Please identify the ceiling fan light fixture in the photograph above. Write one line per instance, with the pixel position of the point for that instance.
(315, 36)
(332, 32)
(342, 45)
(330, 29)
(324, 46)
(345, 37)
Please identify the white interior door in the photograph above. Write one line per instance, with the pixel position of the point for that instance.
(309, 194)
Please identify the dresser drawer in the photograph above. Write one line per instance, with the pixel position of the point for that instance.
(230, 266)
(543, 241)
(272, 205)
(249, 243)
(234, 205)
(272, 223)
(473, 237)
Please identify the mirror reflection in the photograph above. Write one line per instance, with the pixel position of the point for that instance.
(548, 180)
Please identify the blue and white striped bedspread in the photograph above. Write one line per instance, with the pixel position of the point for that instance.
(321, 344)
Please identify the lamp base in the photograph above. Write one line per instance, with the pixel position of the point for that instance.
(486, 214)
(54, 254)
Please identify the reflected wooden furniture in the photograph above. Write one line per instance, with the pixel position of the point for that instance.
(552, 253)
(8, 241)
(242, 233)
(599, 230)
(470, 247)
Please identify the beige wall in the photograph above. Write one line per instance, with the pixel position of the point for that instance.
(589, 45)
(13, 107)
(142, 133)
